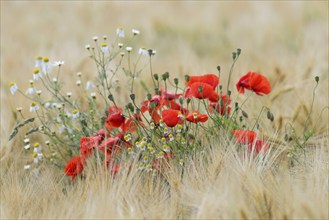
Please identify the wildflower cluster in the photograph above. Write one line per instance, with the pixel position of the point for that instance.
(168, 125)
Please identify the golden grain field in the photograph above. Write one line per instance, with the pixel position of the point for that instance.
(288, 41)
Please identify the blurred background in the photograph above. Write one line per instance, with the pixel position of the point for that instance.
(287, 41)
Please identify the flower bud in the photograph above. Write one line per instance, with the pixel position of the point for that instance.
(187, 78)
(176, 81)
(244, 114)
(317, 78)
(234, 55)
(156, 76)
(132, 96)
(238, 51)
(110, 97)
(149, 96)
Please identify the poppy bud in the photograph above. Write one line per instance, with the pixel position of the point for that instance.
(130, 107)
(317, 78)
(236, 106)
(241, 118)
(149, 96)
(167, 75)
(132, 96)
(220, 87)
(234, 55)
(270, 116)
(138, 111)
(150, 52)
(200, 89)
(188, 101)
(164, 77)
(218, 68)
(176, 81)
(181, 100)
(156, 76)
(110, 97)
(244, 114)
(286, 137)
(187, 78)
(238, 51)
(229, 92)
(157, 91)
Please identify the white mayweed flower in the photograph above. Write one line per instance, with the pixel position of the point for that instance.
(120, 45)
(154, 52)
(135, 31)
(26, 140)
(129, 49)
(95, 38)
(75, 113)
(69, 94)
(165, 148)
(79, 74)
(104, 37)
(93, 95)
(122, 54)
(13, 88)
(38, 62)
(34, 107)
(120, 32)
(37, 148)
(45, 65)
(89, 85)
(104, 48)
(19, 109)
(143, 51)
(87, 46)
(61, 128)
(58, 63)
(148, 167)
(36, 74)
(31, 90)
(78, 82)
(27, 146)
(55, 80)
(48, 103)
(27, 166)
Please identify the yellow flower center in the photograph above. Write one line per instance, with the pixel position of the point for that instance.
(39, 57)
(104, 45)
(33, 104)
(11, 84)
(36, 70)
(46, 59)
(36, 145)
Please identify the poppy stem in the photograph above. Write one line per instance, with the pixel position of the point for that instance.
(230, 73)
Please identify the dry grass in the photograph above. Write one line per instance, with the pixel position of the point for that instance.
(287, 41)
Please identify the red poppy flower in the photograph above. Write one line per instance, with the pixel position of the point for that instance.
(201, 91)
(88, 144)
(114, 120)
(165, 95)
(196, 117)
(131, 124)
(258, 146)
(255, 82)
(75, 166)
(110, 145)
(244, 137)
(171, 117)
(153, 104)
(209, 79)
(222, 106)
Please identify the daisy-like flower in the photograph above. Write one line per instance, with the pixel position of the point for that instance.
(93, 95)
(27, 166)
(37, 147)
(148, 167)
(135, 31)
(89, 85)
(13, 88)
(69, 94)
(48, 103)
(171, 137)
(127, 137)
(104, 48)
(78, 82)
(152, 125)
(120, 45)
(27, 146)
(58, 63)
(120, 32)
(165, 148)
(122, 54)
(36, 74)
(160, 155)
(104, 37)
(19, 109)
(39, 92)
(151, 150)
(38, 62)
(95, 38)
(143, 51)
(87, 47)
(45, 65)
(129, 49)
(75, 113)
(31, 90)
(34, 107)
(145, 159)
(37, 157)
(183, 140)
